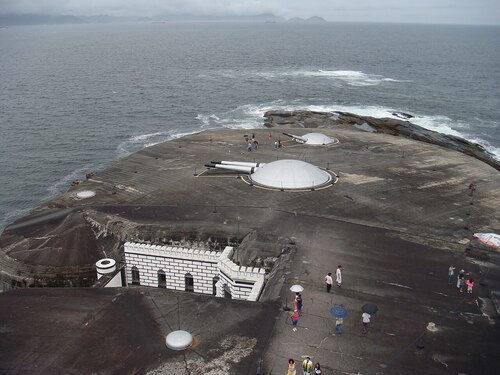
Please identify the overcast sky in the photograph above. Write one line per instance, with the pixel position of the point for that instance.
(417, 11)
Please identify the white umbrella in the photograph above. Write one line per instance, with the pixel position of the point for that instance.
(297, 288)
(490, 239)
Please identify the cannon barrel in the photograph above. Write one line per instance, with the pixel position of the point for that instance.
(242, 163)
(297, 138)
(236, 168)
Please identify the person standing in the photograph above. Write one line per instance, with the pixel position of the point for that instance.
(291, 367)
(366, 320)
(451, 272)
(299, 303)
(461, 281)
(470, 284)
(317, 369)
(329, 282)
(338, 325)
(338, 276)
(307, 366)
(295, 320)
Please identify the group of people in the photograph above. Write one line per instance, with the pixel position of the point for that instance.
(252, 144)
(463, 279)
(307, 367)
(297, 303)
(338, 279)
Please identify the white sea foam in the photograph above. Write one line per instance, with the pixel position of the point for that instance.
(207, 120)
(142, 137)
(350, 77)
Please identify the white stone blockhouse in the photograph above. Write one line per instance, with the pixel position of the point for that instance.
(192, 270)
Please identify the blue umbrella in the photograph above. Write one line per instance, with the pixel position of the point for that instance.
(338, 311)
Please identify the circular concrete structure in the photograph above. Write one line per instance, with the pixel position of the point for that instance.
(290, 174)
(84, 194)
(179, 340)
(105, 266)
(317, 139)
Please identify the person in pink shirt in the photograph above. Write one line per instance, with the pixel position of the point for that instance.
(295, 320)
(470, 284)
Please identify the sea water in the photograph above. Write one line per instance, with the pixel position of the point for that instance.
(75, 98)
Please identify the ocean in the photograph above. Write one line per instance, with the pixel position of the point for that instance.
(75, 98)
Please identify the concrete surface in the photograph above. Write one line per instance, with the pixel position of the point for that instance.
(398, 217)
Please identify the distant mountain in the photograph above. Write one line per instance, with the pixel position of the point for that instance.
(310, 19)
(315, 19)
(37, 19)
(103, 18)
(44, 19)
(266, 17)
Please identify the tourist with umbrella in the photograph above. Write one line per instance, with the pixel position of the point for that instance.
(298, 297)
(297, 288)
(339, 312)
(368, 309)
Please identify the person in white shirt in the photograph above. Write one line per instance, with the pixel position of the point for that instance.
(338, 275)
(451, 272)
(329, 282)
(366, 320)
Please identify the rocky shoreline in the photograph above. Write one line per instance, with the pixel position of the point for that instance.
(402, 128)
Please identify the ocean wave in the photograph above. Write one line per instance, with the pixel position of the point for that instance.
(142, 137)
(207, 120)
(350, 77)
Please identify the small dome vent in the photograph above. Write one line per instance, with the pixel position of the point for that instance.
(84, 194)
(179, 340)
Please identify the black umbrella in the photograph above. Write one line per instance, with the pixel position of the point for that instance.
(370, 308)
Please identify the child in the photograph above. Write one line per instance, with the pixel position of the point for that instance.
(295, 320)
(470, 284)
(291, 367)
(317, 369)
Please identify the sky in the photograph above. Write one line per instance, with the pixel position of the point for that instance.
(479, 12)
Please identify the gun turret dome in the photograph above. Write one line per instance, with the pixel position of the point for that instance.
(290, 174)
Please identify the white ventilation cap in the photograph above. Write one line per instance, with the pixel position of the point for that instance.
(179, 340)
(85, 194)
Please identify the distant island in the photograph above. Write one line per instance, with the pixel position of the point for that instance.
(47, 19)
(310, 19)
